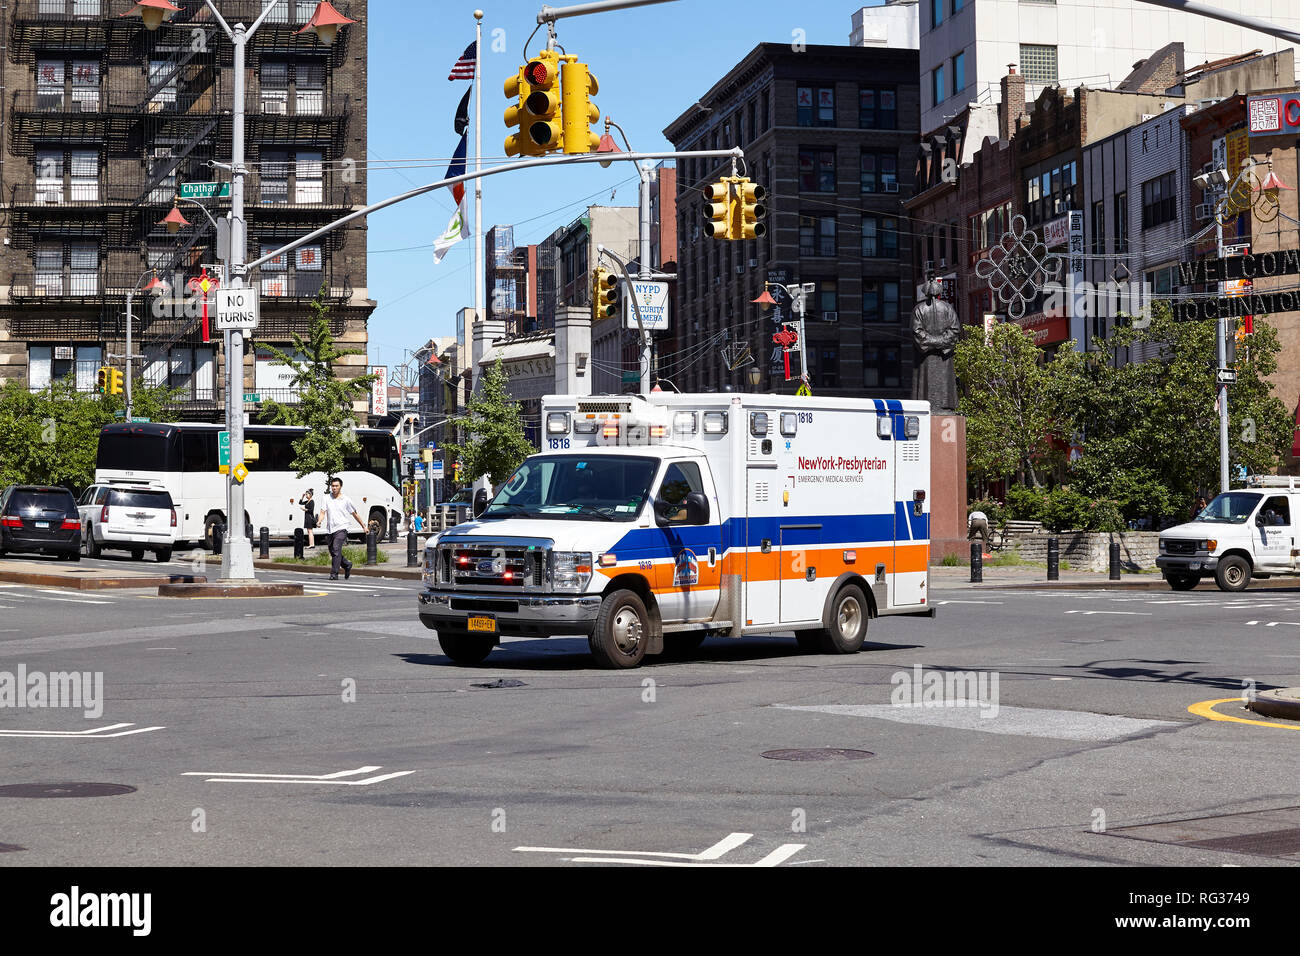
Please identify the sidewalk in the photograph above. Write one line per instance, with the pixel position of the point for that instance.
(394, 567)
(1029, 577)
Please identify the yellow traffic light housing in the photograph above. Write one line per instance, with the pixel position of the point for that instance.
(115, 381)
(578, 111)
(717, 210)
(518, 143)
(539, 121)
(748, 210)
(604, 294)
(102, 380)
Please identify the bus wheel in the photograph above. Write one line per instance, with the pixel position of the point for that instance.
(848, 622)
(465, 649)
(376, 523)
(210, 525)
(621, 633)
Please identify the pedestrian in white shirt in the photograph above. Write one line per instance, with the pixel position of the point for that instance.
(978, 526)
(334, 513)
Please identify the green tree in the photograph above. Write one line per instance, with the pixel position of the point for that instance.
(493, 442)
(324, 404)
(1151, 429)
(1011, 398)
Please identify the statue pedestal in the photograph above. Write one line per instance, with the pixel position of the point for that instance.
(948, 487)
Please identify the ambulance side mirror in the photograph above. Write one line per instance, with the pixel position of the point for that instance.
(697, 508)
(480, 501)
(695, 504)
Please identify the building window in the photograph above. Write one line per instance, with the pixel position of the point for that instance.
(753, 119)
(161, 160)
(51, 76)
(816, 235)
(188, 370)
(815, 106)
(63, 8)
(1159, 201)
(828, 367)
(879, 237)
(1163, 281)
(879, 172)
(936, 85)
(1121, 222)
(936, 12)
(162, 79)
(298, 273)
(66, 268)
(882, 365)
(762, 107)
(1051, 192)
(828, 298)
(958, 73)
(308, 176)
(1098, 228)
(50, 363)
(878, 108)
(81, 167)
(816, 170)
(275, 87)
(1038, 63)
(988, 227)
(291, 11)
(956, 6)
(301, 83)
(879, 301)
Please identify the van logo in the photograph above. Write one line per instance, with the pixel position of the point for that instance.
(486, 566)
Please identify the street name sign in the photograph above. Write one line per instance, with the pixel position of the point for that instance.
(223, 449)
(652, 296)
(237, 310)
(205, 190)
(252, 397)
(1236, 306)
(1256, 265)
(437, 469)
(419, 473)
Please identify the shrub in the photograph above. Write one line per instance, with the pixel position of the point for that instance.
(996, 510)
(951, 561)
(1025, 504)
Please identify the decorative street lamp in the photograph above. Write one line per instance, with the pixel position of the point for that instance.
(173, 221)
(755, 373)
(325, 23)
(153, 12)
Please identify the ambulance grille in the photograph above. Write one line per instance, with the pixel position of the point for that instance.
(911, 451)
(607, 407)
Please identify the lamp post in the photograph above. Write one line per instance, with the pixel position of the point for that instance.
(755, 375)
(157, 287)
(237, 554)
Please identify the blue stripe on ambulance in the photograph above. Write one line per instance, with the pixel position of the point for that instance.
(652, 543)
(901, 524)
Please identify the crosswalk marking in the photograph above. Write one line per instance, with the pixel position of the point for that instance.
(1016, 721)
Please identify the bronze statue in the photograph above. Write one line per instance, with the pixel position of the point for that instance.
(935, 328)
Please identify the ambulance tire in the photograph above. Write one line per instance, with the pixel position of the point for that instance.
(1233, 573)
(1183, 582)
(622, 631)
(847, 622)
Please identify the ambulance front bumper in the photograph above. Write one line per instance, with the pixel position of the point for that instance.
(1187, 562)
(521, 615)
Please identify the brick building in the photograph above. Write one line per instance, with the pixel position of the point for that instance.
(103, 120)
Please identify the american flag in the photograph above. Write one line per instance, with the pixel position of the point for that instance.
(464, 68)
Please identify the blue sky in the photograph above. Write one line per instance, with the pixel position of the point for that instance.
(651, 62)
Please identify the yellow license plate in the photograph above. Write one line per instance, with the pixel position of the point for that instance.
(488, 624)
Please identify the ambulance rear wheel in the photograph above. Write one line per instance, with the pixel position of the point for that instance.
(1183, 582)
(1232, 574)
(848, 622)
(622, 631)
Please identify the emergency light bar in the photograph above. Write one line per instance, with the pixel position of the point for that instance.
(557, 423)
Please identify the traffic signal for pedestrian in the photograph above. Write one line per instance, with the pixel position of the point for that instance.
(115, 381)
(604, 294)
(578, 112)
(102, 380)
(748, 210)
(536, 114)
(717, 210)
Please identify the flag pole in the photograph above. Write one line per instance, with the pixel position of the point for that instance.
(479, 315)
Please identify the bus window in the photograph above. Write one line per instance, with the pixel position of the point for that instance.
(199, 450)
(131, 451)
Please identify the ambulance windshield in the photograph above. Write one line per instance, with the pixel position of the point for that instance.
(1232, 507)
(608, 487)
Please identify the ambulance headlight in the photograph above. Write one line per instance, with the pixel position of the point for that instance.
(571, 570)
(557, 423)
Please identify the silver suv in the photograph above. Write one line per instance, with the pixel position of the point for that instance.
(131, 519)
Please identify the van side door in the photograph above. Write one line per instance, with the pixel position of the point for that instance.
(1273, 533)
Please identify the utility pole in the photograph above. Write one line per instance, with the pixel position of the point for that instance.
(646, 271)
(1221, 335)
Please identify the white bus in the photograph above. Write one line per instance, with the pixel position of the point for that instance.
(183, 458)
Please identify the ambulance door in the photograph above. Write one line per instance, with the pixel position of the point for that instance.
(688, 584)
(761, 542)
(911, 453)
(800, 544)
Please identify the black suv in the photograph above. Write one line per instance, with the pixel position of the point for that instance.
(40, 518)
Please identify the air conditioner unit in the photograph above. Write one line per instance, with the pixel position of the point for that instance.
(50, 195)
(1204, 210)
(89, 106)
(831, 316)
(891, 187)
(275, 106)
(943, 263)
(753, 263)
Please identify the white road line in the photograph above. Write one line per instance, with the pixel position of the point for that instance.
(1138, 613)
(214, 776)
(95, 733)
(722, 847)
(967, 602)
(1016, 721)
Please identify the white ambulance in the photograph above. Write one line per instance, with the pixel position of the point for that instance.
(1244, 533)
(648, 524)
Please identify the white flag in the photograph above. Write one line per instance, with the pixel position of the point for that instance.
(456, 231)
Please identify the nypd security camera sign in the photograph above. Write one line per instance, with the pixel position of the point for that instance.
(652, 297)
(237, 310)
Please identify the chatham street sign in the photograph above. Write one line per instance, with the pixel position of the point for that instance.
(205, 190)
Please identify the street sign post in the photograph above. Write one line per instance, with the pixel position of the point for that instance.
(205, 190)
(237, 310)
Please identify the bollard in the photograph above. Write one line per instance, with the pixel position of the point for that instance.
(297, 543)
(264, 543)
(1114, 560)
(976, 562)
(372, 548)
(218, 535)
(392, 528)
(411, 550)
(1053, 559)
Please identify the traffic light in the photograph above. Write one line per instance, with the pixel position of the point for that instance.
(102, 380)
(604, 294)
(717, 210)
(748, 210)
(578, 112)
(537, 85)
(115, 381)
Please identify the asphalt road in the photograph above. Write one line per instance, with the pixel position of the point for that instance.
(359, 743)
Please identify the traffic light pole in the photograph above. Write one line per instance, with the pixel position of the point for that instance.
(647, 344)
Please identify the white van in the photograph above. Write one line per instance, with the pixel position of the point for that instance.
(1243, 533)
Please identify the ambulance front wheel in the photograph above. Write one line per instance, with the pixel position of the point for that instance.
(622, 631)
(847, 622)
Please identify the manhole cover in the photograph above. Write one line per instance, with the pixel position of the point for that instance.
(819, 753)
(503, 682)
(43, 790)
(10, 847)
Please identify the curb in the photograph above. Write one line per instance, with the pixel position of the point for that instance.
(1284, 703)
(378, 571)
(229, 590)
(77, 581)
(1158, 584)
